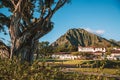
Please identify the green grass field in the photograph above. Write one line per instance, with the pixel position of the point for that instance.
(74, 65)
(76, 61)
(97, 70)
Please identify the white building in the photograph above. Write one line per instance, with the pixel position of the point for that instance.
(91, 49)
(116, 48)
(115, 55)
(65, 56)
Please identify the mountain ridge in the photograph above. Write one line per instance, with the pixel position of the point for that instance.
(81, 37)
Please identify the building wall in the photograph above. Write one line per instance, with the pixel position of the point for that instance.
(65, 56)
(91, 49)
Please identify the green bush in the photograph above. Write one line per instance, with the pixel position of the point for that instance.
(14, 70)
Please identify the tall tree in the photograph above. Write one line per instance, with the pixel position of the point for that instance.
(24, 28)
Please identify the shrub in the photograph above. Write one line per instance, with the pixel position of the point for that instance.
(14, 70)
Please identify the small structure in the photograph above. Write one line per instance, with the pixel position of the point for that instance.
(91, 49)
(65, 56)
(116, 48)
(4, 50)
(115, 55)
(98, 52)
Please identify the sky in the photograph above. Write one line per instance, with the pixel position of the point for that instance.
(98, 16)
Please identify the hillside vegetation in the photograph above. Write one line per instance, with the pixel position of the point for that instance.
(81, 37)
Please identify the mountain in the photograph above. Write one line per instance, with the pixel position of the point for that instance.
(80, 37)
(118, 42)
(114, 41)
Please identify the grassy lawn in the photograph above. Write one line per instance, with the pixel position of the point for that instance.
(69, 62)
(97, 70)
(73, 65)
(76, 61)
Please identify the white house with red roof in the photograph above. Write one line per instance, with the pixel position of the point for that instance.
(115, 54)
(91, 49)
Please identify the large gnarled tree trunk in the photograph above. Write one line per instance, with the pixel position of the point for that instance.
(25, 30)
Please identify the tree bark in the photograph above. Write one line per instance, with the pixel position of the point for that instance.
(24, 36)
(24, 49)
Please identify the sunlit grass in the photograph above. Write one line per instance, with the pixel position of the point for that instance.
(75, 61)
(97, 70)
(112, 71)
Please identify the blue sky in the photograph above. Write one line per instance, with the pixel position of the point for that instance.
(97, 16)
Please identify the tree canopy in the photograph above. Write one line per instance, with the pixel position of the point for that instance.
(24, 27)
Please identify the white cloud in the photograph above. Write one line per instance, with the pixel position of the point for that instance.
(98, 32)
(89, 30)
